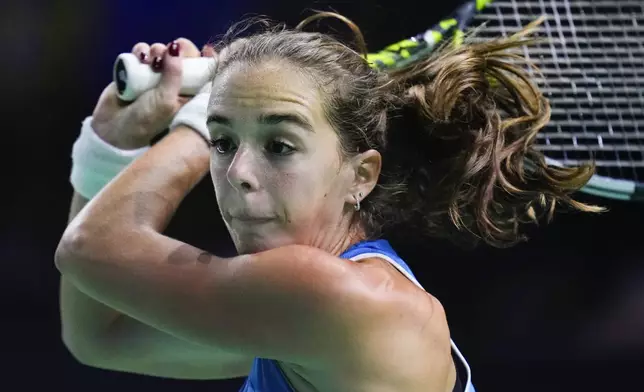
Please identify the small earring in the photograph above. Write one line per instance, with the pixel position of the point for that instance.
(357, 206)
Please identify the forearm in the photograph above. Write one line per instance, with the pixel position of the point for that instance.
(131, 202)
(83, 319)
(144, 197)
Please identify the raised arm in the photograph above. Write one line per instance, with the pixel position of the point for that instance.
(84, 321)
(268, 305)
(99, 336)
(296, 304)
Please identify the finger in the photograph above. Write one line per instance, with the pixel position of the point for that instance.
(142, 51)
(157, 51)
(188, 48)
(170, 84)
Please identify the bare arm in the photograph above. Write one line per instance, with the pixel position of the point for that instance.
(295, 304)
(99, 336)
(83, 319)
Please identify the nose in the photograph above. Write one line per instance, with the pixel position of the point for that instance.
(242, 172)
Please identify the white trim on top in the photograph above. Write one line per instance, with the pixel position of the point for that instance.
(468, 387)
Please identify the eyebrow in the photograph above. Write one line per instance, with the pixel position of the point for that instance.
(267, 119)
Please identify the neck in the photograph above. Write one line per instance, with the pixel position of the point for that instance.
(352, 234)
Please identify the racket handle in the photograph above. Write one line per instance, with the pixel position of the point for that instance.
(133, 78)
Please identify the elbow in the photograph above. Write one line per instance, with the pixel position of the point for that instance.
(88, 354)
(88, 349)
(75, 245)
(98, 353)
(81, 351)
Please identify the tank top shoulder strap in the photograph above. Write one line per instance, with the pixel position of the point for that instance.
(383, 250)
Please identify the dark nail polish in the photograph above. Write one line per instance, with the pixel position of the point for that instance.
(174, 49)
(157, 64)
(143, 56)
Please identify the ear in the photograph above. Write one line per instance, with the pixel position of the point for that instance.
(366, 169)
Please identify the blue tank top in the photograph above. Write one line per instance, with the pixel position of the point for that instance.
(265, 374)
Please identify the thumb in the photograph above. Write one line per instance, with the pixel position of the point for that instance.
(169, 86)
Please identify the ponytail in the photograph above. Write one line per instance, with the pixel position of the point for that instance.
(464, 134)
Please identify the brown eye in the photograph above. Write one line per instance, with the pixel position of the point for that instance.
(222, 145)
(279, 148)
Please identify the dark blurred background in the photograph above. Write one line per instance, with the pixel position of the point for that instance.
(564, 311)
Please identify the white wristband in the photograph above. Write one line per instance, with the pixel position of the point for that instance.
(194, 114)
(95, 162)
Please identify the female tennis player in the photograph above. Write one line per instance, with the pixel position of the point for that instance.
(314, 157)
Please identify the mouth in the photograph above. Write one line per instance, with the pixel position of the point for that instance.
(251, 219)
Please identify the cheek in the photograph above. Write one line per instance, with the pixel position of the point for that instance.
(292, 190)
(309, 193)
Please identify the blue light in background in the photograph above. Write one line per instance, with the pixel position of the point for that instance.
(162, 21)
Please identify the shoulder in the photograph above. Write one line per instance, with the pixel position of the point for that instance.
(397, 294)
(358, 296)
(404, 321)
(321, 310)
(387, 314)
(336, 285)
(372, 282)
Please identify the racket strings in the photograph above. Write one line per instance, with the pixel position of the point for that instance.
(592, 70)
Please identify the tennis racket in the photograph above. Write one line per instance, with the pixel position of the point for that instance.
(592, 62)
(409, 50)
(133, 78)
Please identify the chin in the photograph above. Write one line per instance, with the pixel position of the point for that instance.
(259, 244)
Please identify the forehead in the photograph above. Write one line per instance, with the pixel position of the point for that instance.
(272, 85)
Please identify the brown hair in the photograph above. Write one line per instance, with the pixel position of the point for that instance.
(456, 132)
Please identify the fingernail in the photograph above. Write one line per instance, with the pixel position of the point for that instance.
(143, 56)
(157, 64)
(174, 49)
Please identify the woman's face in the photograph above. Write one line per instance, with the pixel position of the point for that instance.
(275, 166)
